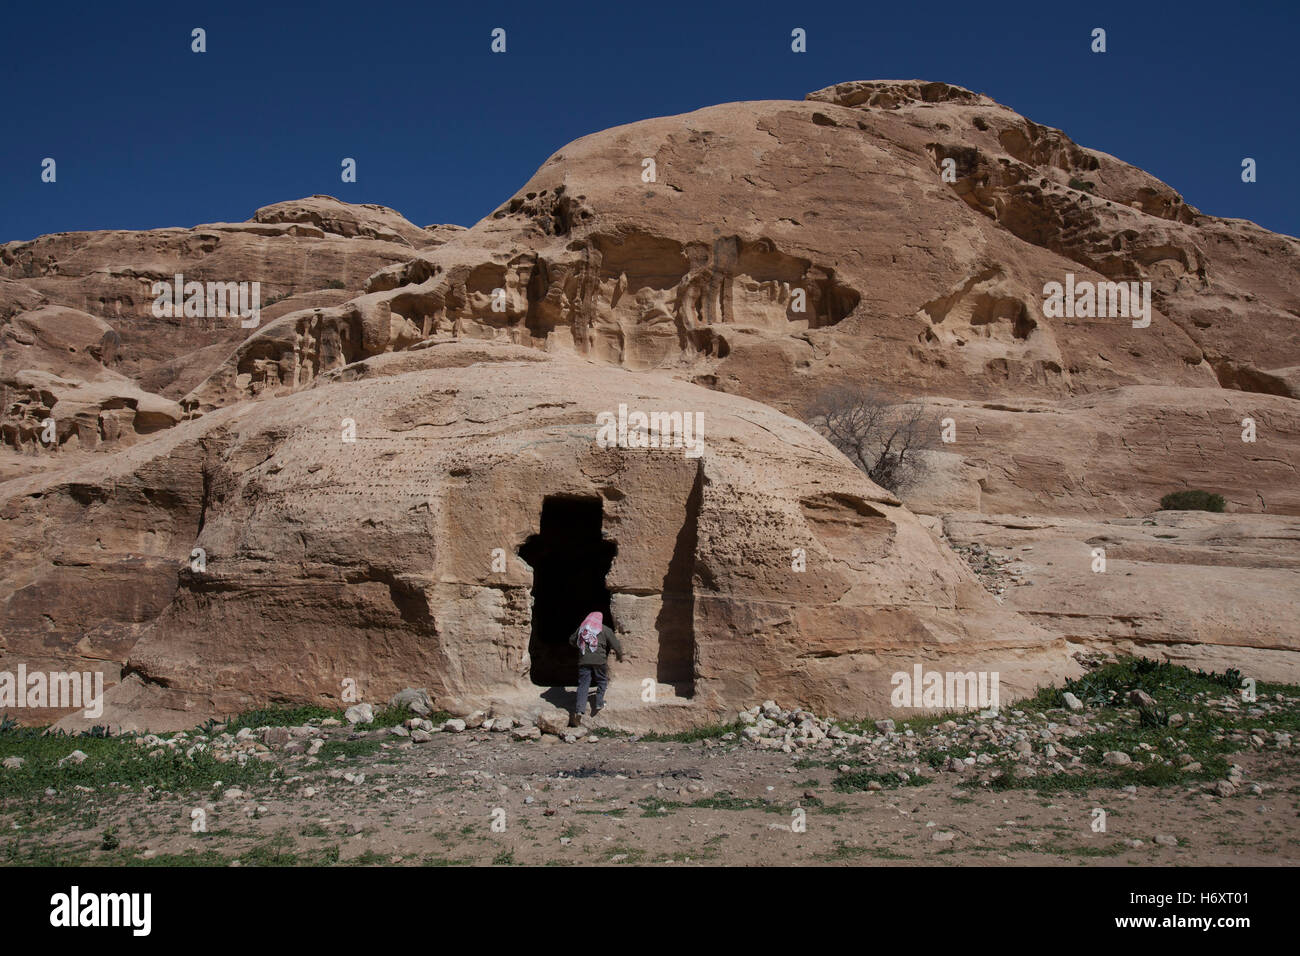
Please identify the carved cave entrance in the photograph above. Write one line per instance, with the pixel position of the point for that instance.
(570, 559)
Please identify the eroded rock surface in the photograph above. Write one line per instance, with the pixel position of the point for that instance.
(779, 247)
(1208, 591)
(393, 540)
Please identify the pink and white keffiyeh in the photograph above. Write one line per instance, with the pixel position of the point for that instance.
(589, 632)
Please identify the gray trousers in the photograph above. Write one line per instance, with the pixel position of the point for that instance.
(585, 676)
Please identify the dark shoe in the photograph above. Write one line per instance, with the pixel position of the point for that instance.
(597, 709)
(575, 719)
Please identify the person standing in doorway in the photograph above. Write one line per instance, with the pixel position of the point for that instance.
(594, 640)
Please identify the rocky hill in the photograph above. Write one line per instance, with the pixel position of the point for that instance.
(375, 475)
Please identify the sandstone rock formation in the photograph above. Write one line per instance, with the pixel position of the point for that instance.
(316, 245)
(896, 233)
(1205, 590)
(837, 206)
(474, 514)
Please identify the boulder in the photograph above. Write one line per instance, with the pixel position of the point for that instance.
(416, 701)
(359, 714)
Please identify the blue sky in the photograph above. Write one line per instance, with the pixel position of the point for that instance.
(146, 133)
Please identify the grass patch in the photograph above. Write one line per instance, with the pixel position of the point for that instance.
(115, 763)
(1207, 734)
(707, 732)
(842, 851)
(858, 780)
(275, 717)
(1110, 685)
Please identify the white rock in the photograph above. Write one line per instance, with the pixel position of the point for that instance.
(359, 714)
(415, 700)
(75, 757)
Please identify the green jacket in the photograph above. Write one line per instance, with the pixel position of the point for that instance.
(604, 643)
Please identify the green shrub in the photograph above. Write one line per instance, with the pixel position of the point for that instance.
(1192, 501)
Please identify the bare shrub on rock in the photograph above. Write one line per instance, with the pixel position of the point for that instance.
(882, 438)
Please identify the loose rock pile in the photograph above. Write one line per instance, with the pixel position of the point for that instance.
(991, 569)
(772, 728)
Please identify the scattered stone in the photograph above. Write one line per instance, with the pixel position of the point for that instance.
(359, 714)
(417, 701)
(1140, 698)
(553, 722)
(276, 736)
(1072, 702)
(75, 757)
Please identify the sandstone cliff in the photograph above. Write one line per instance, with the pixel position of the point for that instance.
(778, 247)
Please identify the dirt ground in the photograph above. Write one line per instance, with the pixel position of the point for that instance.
(481, 798)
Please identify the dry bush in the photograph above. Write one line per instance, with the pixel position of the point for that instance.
(882, 438)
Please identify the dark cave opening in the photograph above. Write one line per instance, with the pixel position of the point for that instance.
(570, 559)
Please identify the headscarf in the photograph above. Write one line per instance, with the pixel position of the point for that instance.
(589, 632)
